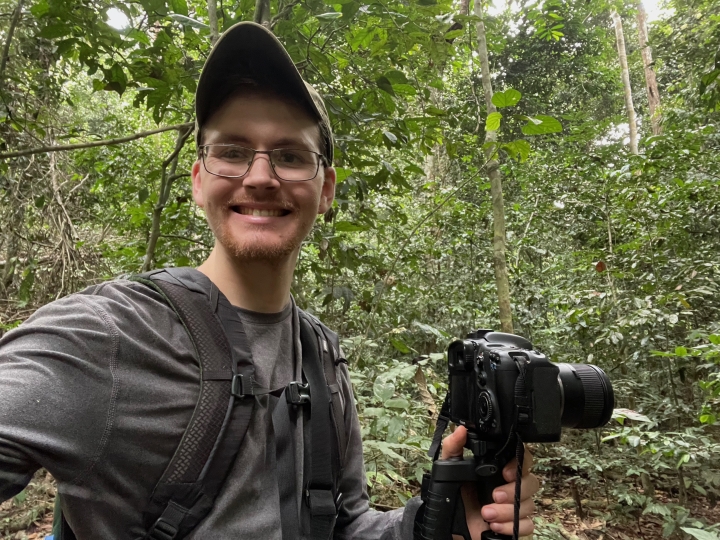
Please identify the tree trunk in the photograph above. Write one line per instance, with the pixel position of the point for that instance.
(653, 94)
(262, 12)
(493, 169)
(166, 183)
(213, 21)
(6, 49)
(620, 36)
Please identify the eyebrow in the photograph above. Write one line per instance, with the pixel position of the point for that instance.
(284, 142)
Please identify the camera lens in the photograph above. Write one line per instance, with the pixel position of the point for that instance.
(588, 398)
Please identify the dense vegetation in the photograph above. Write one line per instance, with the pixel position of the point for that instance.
(611, 253)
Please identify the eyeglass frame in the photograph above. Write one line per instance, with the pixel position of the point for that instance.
(202, 152)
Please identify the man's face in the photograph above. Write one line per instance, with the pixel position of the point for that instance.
(259, 216)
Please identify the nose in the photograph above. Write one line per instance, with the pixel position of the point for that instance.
(261, 174)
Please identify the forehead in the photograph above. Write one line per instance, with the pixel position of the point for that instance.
(264, 119)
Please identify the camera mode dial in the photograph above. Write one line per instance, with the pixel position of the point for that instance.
(485, 410)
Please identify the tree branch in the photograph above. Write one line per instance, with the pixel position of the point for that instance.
(106, 142)
(213, 20)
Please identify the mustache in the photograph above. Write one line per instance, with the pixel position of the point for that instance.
(246, 201)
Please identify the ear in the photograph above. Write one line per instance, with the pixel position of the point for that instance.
(197, 184)
(327, 193)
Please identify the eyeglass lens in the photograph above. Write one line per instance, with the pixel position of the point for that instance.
(235, 161)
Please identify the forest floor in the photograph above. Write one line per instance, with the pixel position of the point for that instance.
(29, 516)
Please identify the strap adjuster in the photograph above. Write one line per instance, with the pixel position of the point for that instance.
(297, 393)
(321, 502)
(162, 530)
(238, 386)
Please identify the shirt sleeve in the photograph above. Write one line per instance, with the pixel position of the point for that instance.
(53, 366)
(357, 520)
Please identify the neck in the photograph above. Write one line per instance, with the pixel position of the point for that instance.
(255, 285)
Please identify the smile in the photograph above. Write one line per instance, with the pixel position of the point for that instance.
(260, 212)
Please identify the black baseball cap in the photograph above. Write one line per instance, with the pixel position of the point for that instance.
(248, 53)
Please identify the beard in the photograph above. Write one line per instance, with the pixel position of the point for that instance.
(253, 245)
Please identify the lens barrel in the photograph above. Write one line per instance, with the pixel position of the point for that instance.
(588, 397)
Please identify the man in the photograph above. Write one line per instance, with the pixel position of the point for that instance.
(99, 387)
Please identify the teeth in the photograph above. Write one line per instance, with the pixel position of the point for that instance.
(258, 212)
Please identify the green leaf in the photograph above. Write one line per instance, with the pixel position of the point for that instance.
(508, 98)
(454, 34)
(383, 390)
(20, 497)
(399, 345)
(406, 89)
(137, 35)
(519, 149)
(384, 84)
(187, 21)
(431, 330)
(390, 136)
(493, 121)
(347, 226)
(40, 8)
(143, 195)
(341, 174)
(54, 31)
(396, 77)
(541, 125)
(180, 7)
(397, 403)
(699, 534)
(330, 16)
(630, 415)
(681, 351)
(431, 109)
(523, 148)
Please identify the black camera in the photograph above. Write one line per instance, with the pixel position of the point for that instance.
(484, 371)
(505, 393)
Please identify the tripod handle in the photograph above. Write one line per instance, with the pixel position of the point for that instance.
(443, 512)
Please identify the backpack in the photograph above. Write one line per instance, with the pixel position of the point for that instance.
(186, 492)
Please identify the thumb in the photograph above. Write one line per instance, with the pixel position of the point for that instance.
(453, 444)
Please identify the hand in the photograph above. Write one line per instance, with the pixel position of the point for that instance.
(498, 516)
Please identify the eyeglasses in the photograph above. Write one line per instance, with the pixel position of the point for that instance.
(233, 161)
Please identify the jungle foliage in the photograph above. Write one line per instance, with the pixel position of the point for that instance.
(612, 256)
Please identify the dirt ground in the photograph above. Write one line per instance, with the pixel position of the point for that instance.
(29, 516)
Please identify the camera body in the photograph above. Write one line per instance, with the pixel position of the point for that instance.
(484, 371)
(505, 393)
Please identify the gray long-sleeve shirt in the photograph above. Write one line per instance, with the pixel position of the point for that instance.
(99, 387)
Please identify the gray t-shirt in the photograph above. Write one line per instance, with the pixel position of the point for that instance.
(98, 388)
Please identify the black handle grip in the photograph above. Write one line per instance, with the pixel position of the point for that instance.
(485, 487)
(441, 503)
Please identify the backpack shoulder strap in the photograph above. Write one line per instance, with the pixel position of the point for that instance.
(188, 487)
(329, 345)
(321, 490)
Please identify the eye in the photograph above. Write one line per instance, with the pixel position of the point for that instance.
(293, 158)
(231, 153)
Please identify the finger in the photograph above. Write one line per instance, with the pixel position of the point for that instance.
(475, 522)
(504, 513)
(452, 445)
(506, 494)
(526, 527)
(510, 470)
